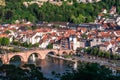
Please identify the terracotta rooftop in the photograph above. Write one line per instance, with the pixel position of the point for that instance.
(3, 35)
(118, 39)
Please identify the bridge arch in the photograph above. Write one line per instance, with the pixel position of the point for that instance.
(16, 58)
(65, 53)
(33, 56)
(71, 52)
(51, 52)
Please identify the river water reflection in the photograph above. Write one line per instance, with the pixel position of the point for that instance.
(50, 64)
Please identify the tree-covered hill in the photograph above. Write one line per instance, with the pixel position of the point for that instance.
(78, 12)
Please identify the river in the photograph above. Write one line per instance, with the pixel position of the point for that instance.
(52, 64)
(48, 65)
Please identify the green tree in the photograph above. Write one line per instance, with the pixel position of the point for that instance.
(77, 13)
(50, 46)
(100, 54)
(8, 14)
(17, 73)
(16, 43)
(90, 72)
(107, 55)
(116, 56)
(92, 52)
(0, 41)
(84, 36)
(5, 41)
(79, 19)
(96, 51)
(88, 50)
(27, 45)
(35, 45)
(7, 32)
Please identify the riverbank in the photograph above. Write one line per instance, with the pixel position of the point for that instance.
(107, 63)
(60, 57)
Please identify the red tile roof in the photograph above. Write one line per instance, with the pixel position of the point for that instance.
(101, 14)
(118, 39)
(3, 35)
(104, 34)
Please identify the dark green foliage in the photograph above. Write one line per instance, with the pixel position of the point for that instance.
(7, 32)
(77, 13)
(6, 67)
(50, 46)
(35, 45)
(100, 53)
(88, 71)
(16, 73)
(16, 43)
(25, 44)
(4, 41)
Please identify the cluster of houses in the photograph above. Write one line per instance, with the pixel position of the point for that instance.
(63, 35)
(107, 18)
(104, 33)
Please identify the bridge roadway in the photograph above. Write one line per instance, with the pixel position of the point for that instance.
(24, 55)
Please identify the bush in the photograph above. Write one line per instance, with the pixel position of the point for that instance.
(50, 46)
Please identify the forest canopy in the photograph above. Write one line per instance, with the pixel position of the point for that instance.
(77, 13)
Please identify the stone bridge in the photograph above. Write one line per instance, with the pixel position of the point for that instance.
(24, 55)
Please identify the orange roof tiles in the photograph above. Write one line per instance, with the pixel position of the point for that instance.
(101, 14)
(118, 39)
(104, 34)
(83, 30)
(38, 30)
(3, 35)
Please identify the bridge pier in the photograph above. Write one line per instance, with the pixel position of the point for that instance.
(75, 65)
(5, 61)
